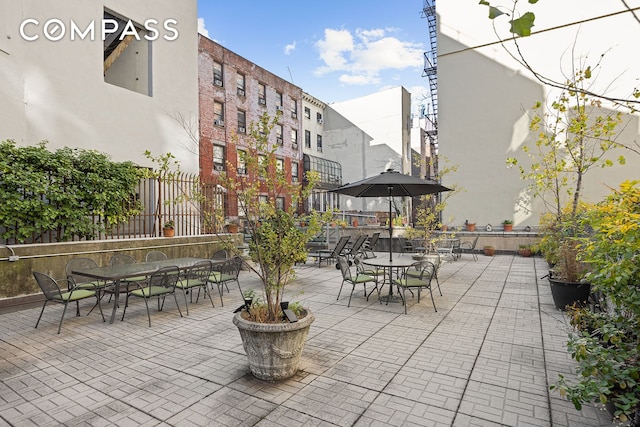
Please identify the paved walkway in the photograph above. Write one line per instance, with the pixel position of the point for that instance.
(486, 358)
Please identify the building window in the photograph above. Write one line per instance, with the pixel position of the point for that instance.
(307, 113)
(279, 103)
(242, 121)
(294, 109)
(319, 117)
(307, 139)
(217, 74)
(218, 113)
(218, 157)
(262, 94)
(263, 166)
(294, 138)
(127, 58)
(241, 211)
(280, 203)
(240, 82)
(242, 164)
(279, 134)
(319, 146)
(294, 172)
(280, 165)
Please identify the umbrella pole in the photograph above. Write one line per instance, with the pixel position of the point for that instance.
(390, 188)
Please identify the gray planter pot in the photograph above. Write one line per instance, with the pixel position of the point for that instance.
(273, 350)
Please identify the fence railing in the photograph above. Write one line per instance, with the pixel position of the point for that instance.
(183, 198)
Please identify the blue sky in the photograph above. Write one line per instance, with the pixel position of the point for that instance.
(334, 50)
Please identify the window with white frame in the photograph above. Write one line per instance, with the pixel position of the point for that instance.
(279, 131)
(307, 112)
(319, 117)
(218, 113)
(280, 165)
(242, 162)
(294, 109)
(262, 94)
(217, 74)
(307, 139)
(242, 121)
(280, 203)
(294, 137)
(240, 84)
(294, 171)
(279, 102)
(319, 143)
(218, 157)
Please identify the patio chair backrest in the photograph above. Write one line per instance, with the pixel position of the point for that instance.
(344, 269)
(371, 243)
(155, 256)
(166, 277)
(122, 259)
(79, 264)
(199, 272)
(357, 244)
(339, 247)
(221, 254)
(49, 286)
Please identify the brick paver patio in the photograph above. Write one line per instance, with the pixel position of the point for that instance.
(486, 358)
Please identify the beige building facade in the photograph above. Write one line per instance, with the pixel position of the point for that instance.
(101, 75)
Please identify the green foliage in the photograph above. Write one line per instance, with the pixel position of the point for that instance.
(276, 244)
(61, 191)
(607, 344)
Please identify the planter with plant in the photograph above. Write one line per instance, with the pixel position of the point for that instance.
(489, 250)
(469, 226)
(507, 225)
(606, 343)
(168, 228)
(525, 250)
(272, 342)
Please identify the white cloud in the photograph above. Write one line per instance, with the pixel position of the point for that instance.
(363, 56)
(201, 27)
(289, 48)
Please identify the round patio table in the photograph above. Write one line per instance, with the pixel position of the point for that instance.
(397, 263)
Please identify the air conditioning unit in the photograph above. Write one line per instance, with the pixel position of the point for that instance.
(240, 92)
(217, 82)
(279, 107)
(242, 171)
(294, 144)
(262, 101)
(242, 130)
(218, 122)
(218, 167)
(320, 121)
(279, 140)
(294, 115)
(294, 179)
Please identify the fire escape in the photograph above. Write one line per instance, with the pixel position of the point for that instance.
(431, 71)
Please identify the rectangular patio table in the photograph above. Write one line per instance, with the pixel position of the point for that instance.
(118, 273)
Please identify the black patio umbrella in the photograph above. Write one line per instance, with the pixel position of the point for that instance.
(391, 183)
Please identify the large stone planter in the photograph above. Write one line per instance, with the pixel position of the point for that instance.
(273, 350)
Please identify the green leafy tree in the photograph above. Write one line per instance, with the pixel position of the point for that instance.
(276, 244)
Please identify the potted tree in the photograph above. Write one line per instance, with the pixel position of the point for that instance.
(272, 342)
(168, 228)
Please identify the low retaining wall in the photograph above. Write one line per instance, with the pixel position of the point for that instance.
(18, 286)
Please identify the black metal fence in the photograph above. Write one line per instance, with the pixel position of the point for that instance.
(194, 206)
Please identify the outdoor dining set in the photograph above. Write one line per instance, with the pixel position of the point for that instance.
(157, 277)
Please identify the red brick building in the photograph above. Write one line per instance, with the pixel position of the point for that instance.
(234, 92)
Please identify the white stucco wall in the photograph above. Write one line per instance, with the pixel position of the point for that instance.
(386, 116)
(483, 120)
(55, 90)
